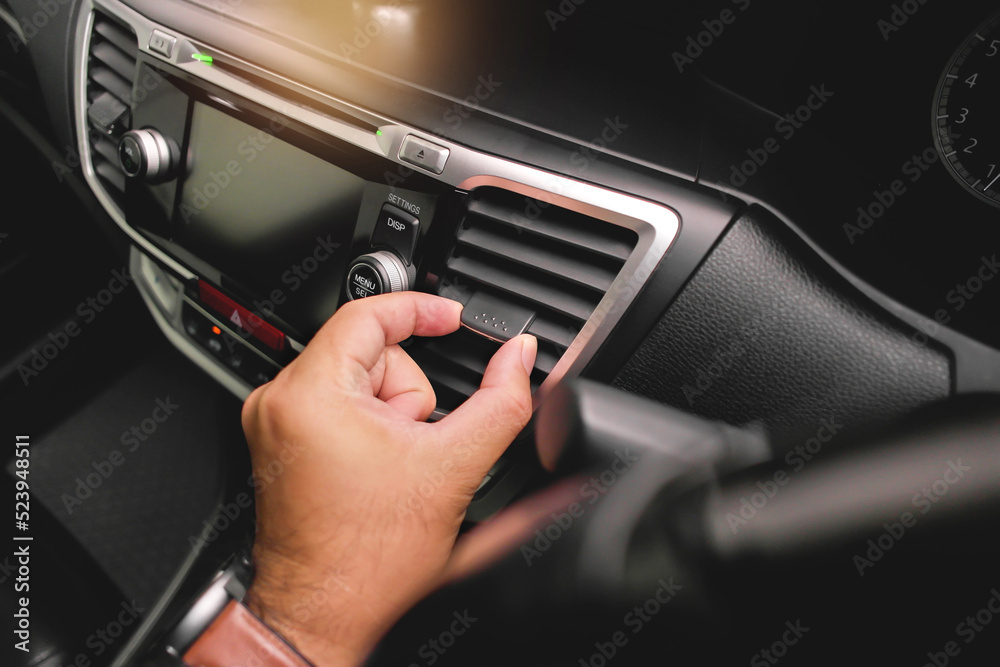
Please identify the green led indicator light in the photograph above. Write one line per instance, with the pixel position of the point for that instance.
(202, 57)
(378, 132)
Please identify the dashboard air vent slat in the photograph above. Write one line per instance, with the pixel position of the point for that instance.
(546, 360)
(527, 284)
(540, 255)
(471, 358)
(546, 329)
(117, 34)
(116, 60)
(105, 78)
(512, 210)
(105, 148)
(552, 261)
(454, 376)
(111, 66)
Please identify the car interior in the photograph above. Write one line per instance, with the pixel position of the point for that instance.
(755, 240)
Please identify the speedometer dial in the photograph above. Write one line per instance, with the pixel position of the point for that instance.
(967, 113)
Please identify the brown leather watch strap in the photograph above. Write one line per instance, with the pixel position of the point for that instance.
(237, 638)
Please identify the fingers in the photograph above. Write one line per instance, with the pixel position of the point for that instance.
(352, 341)
(492, 417)
(248, 416)
(405, 387)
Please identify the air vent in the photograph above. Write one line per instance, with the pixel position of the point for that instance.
(111, 66)
(551, 260)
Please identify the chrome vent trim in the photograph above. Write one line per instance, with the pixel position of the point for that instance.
(552, 260)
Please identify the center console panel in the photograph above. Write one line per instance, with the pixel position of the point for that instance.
(257, 209)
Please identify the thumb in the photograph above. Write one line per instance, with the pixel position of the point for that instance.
(492, 417)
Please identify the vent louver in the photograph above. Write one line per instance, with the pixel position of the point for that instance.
(111, 66)
(552, 260)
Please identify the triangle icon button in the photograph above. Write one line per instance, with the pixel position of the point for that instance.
(235, 319)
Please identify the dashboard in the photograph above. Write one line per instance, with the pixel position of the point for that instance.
(772, 215)
(561, 228)
(364, 172)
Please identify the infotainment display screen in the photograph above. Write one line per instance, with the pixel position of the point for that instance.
(268, 209)
(274, 217)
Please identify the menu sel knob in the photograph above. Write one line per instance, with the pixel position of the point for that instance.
(376, 273)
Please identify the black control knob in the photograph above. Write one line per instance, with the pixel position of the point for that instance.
(376, 273)
(146, 154)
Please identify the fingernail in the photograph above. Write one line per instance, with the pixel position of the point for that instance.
(529, 348)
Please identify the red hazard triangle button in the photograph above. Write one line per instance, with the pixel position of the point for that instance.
(241, 317)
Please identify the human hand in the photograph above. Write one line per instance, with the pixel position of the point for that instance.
(342, 548)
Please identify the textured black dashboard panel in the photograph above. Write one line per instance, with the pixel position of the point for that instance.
(760, 334)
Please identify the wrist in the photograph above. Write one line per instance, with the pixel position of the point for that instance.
(338, 648)
(218, 630)
(339, 611)
(316, 609)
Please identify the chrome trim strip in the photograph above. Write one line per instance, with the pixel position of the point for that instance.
(656, 225)
(173, 330)
(11, 20)
(83, 29)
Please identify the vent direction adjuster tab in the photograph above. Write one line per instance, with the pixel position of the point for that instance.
(495, 318)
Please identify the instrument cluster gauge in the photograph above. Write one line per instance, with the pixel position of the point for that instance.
(967, 113)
